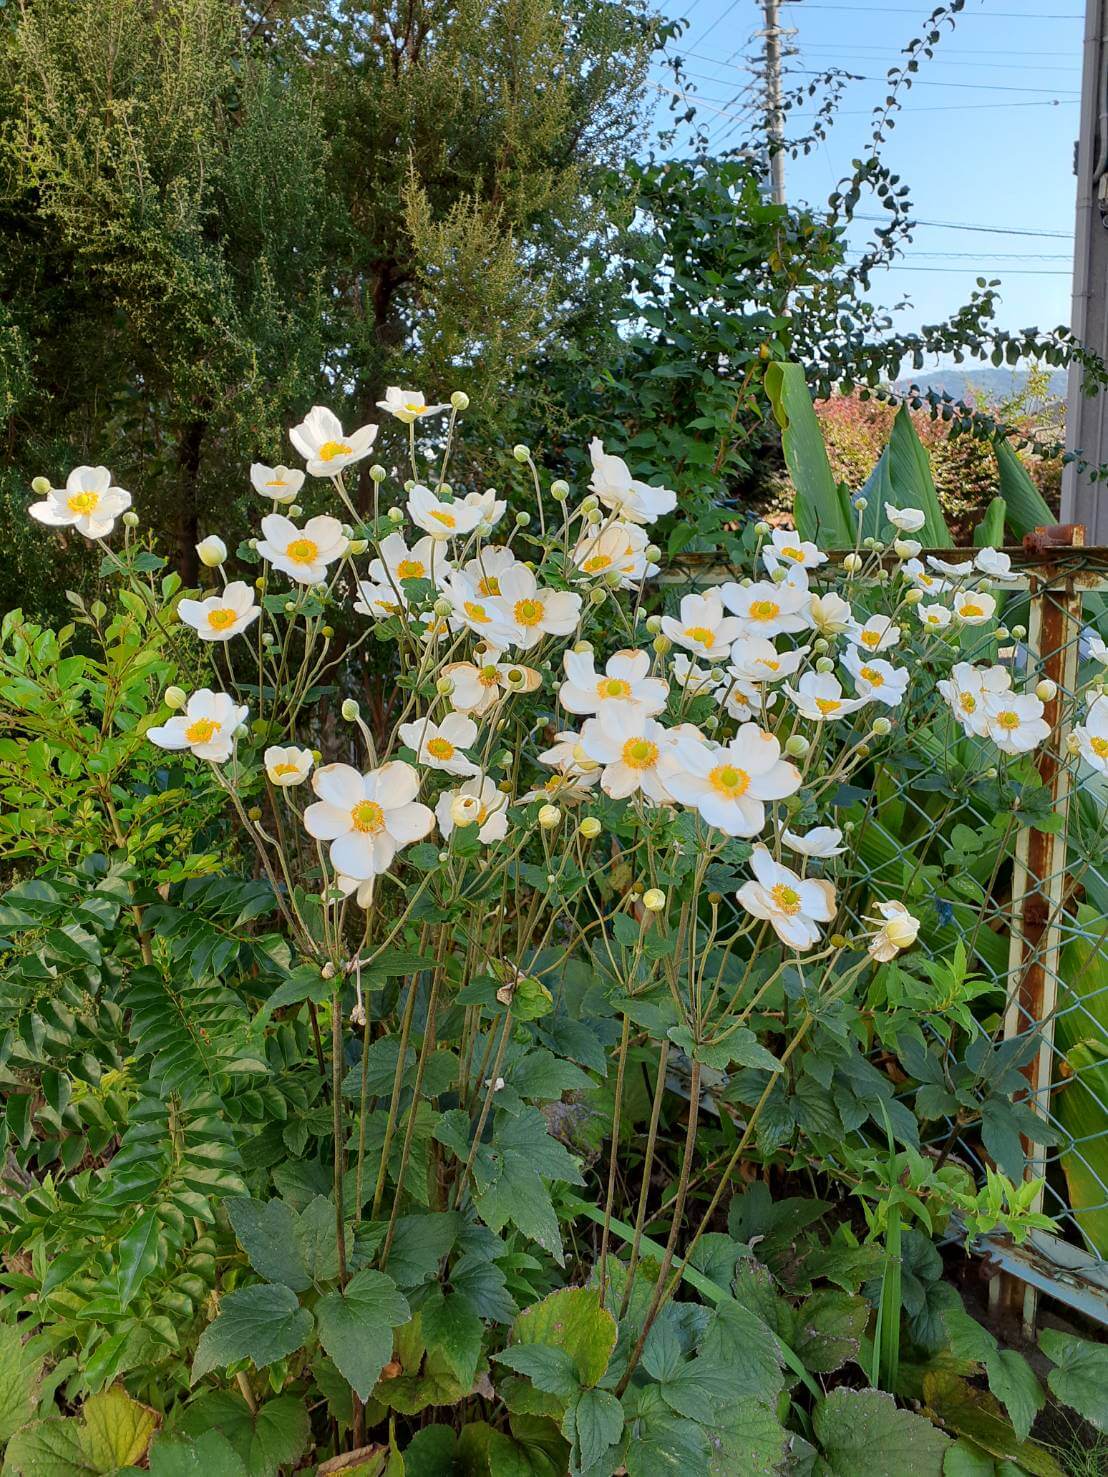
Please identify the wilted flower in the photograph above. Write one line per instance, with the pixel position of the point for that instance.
(440, 745)
(302, 553)
(407, 405)
(793, 906)
(89, 503)
(896, 930)
(320, 441)
(279, 483)
(219, 617)
(626, 680)
(729, 784)
(366, 817)
(206, 727)
(613, 484)
(287, 766)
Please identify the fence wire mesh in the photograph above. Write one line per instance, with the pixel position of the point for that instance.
(1028, 897)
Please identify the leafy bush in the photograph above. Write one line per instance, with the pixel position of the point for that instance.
(468, 1112)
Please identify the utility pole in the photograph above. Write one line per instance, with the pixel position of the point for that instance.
(775, 115)
(1085, 501)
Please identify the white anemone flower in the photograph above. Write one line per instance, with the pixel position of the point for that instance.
(442, 518)
(491, 508)
(787, 547)
(1091, 736)
(397, 563)
(730, 784)
(287, 765)
(830, 615)
(524, 611)
(407, 405)
(757, 660)
(819, 696)
(966, 689)
(907, 520)
(478, 687)
(996, 564)
(302, 553)
(896, 929)
(879, 633)
(617, 548)
(696, 681)
(88, 502)
(491, 815)
(206, 727)
(626, 679)
(576, 773)
(484, 570)
(320, 440)
(973, 607)
(378, 601)
(875, 678)
(820, 841)
(1094, 646)
(440, 745)
(625, 495)
(935, 617)
(793, 906)
(366, 817)
(219, 617)
(636, 752)
(471, 609)
(915, 571)
(702, 627)
(279, 483)
(767, 609)
(742, 699)
(1014, 721)
(956, 571)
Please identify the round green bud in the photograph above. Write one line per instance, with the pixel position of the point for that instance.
(796, 746)
(820, 645)
(377, 472)
(251, 543)
(861, 504)
(290, 606)
(549, 816)
(350, 710)
(852, 563)
(396, 515)
(130, 519)
(612, 579)
(504, 759)
(295, 510)
(522, 519)
(521, 453)
(268, 638)
(779, 575)
(409, 483)
(358, 546)
(913, 596)
(1002, 633)
(1019, 632)
(1046, 690)
(590, 828)
(711, 723)
(588, 504)
(762, 529)
(662, 645)
(597, 596)
(459, 400)
(593, 517)
(175, 698)
(881, 728)
(40, 486)
(445, 490)
(443, 606)
(444, 686)
(328, 632)
(652, 553)
(653, 899)
(346, 530)
(825, 664)
(654, 624)
(559, 490)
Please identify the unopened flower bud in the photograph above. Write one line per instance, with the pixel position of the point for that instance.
(881, 727)
(838, 940)
(871, 543)
(328, 632)
(522, 519)
(1001, 633)
(175, 697)
(549, 816)
(40, 486)
(559, 490)
(590, 828)
(662, 644)
(863, 751)
(824, 664)
(762, 529)
(409, 483)
(905, 548)
(852, 563)
(779, 575)
(396, 515)
(130, 519)
(290, 606)
(358, 546)
(1046, 690)
(653, 899)
(913, 596)
(268, 638)
(654, 624)
(254, 813)
(1019, 632)
(582, 648)
(464, 809)
(460, 400)
(796, 746)
(350, 710)
(861, 504)
(596, 596)
(444, 686)
(590, 504)
(521, 453)
(295, 510)
(212, 551)
(377, 472)
(593, 517)
(820, 645)
(444, 490)
(711, 723)
(443, 606)
(652, 553)
(504, 759)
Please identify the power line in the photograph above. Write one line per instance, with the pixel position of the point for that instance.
(1015, 15)
(701, 56)
(923, 82)
(990, 230)
(962, 271)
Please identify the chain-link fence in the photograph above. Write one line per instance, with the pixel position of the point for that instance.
(1027, 895)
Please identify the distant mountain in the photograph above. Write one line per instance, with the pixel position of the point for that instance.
(994, 384)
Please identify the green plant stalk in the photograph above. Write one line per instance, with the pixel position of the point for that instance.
(417, 1088)
(336, 1107)
(394, 1101)
(647, 1166)
(610, 1197)
(486, 1106)
(886, 1342)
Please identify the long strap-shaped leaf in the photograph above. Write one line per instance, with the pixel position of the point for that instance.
(821, 510)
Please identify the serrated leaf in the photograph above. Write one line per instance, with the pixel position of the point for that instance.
(266, 1232)
(262, 1323)
(314, 1236)
(547, 1367)
(356, 1324)
(112, 1431)
(740, 1342)
(594, 1422)
(829, 1329)
(274, 1436)
(863, 1431)
(752, 1444)
(1080, 1376)
(20, 1374)
(419, 1245)
(571, 1319)
(450, 1326)
(209, 1454)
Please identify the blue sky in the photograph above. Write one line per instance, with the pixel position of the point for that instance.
(985, 137)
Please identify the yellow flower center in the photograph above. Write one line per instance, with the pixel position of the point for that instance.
(595, 563)
(1099, 747)
(489, 585)
(367, 817)
(700, 634)
(441, 516)
(934, 619)
(828, 705)
(476, 612)
(613, 687)
(410, 569)
(331, 449)
(764, 610)
(769, 664)
(528, 612)
(790, 553)
(389, 606)
(488, 676)
(967, 702)
(440, 748)
(969, 608)
(282, 769)
(640, 753)
(220, 619)
(1008, 719)
(786, 898)
(482, 814)
(277, 482)
(872, 676)
(202, 731)
(730, 781)
(83, 502)
(302, 551)
(871, 638)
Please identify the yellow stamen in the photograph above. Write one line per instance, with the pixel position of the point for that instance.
(476, 612)
(871, 638)
(331, 449)
(786, 898)
(1099, 747)
(280, 769)
(639, 753)
(490, 585)
(796, 554)
(700, 634)
(202, 731)
(613, 687)
(367, 817)
(729, 781)
(969, 608)
(596, 563)
(446, 519)
(83, 503)
(828, 705)
(277, 482)
(528, 612)
(488, 676)
(440, 748)
(410, 569)
(220, 619)
(967, 702)
(872, 676)
(764, 610)
(1008, 719)
(302, 551)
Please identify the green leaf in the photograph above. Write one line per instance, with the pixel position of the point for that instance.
(112, 1431)
(450, 1326)
(356, 1324)
(274, 1436)
(989, 534)
(262, 1323)
(267, 1233)
(419, 1245)
(907, 483)
(314, 1236)
(739, 1341)
(752, 1444)
(820, 509)
(829, 1329)
(1080, 1378)
(594, 1421)
(138, 1256)
(571, 1319)
(975, 1414)
(20, 1374)
(548, 1368)
(863, 1431)
(1027, 509)
(208, 1454)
